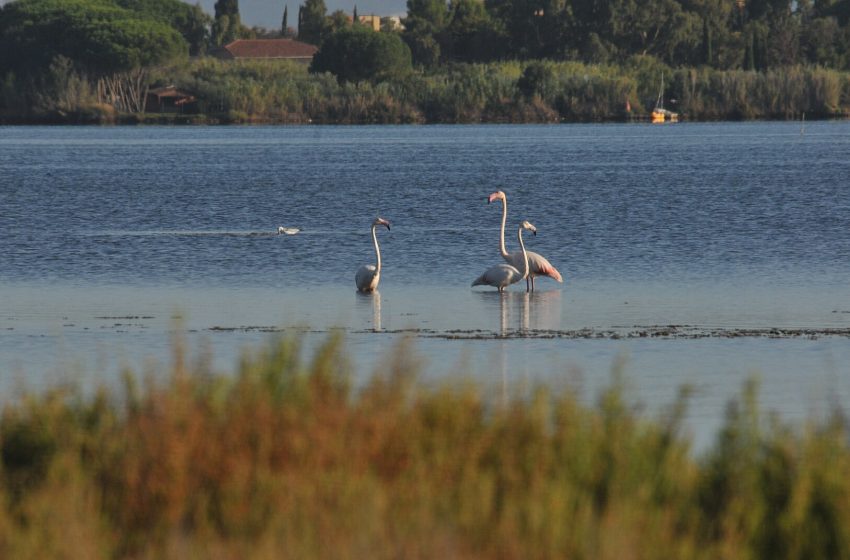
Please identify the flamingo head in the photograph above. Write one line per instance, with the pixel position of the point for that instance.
(529, 226)
(381, 222)
(498, 195)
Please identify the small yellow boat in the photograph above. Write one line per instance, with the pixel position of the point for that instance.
(660, 114)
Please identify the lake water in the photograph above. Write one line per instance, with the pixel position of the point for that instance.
(695, 254)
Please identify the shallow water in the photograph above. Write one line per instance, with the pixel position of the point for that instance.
(734, 234)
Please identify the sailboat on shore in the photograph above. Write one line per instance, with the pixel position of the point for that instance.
(660, 114)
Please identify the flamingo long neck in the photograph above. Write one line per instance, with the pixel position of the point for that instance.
(524, 254)
(502, 232)
(377, 249)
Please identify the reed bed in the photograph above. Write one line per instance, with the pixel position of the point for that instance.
(537, 91)
(287, 458)
(501, 92)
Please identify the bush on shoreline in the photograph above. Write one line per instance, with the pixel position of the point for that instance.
(287, 458)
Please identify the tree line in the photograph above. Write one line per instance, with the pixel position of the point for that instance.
(456, 61)
(722, 34)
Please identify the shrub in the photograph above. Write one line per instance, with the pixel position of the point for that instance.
(357, 53)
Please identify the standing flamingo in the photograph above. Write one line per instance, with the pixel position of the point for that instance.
(369, 275)
(538, 265)
(502, 275)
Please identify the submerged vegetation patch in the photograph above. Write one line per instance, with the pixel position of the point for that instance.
(287, 458)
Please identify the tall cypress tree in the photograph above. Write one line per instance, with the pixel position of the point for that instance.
(284, 26)
(708, 47)
(311, 28)
(750, 53)
(227, 22)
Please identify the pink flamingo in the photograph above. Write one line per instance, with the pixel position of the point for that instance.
(538, 265)
(369, 275)
(502, 275)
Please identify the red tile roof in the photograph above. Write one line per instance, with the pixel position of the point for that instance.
(269, 48)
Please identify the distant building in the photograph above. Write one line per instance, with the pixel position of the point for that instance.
(169, 99)
(371, 21)
(266, 49)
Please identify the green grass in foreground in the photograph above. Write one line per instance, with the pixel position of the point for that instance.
(286, 459)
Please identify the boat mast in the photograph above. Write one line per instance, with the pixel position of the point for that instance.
(659, 103)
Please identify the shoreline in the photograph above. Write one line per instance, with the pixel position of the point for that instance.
(224, 120)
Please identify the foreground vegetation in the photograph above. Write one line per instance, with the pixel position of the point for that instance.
(287, 459)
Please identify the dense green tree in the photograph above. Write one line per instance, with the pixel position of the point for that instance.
(227, 24)
(783, 46)
(433, 12)
(49, 44)
(720, 42)
(337, 20)
(652, 27)
(824, 43)
(190, 20)
(470, 34)
(521, 21)
(357, 53)
(424, 47)
(590, 30)
(98, 36)
(841, 11)
(423, 30)
(313, 25)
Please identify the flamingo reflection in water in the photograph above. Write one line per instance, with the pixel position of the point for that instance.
(521, 313)
(528, 312)
(371, 303)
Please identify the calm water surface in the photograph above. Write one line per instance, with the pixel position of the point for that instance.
(114, 238)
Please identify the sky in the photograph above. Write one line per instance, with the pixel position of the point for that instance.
(269, 13)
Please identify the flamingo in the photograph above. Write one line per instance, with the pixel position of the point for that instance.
(369, 275)
(287, 230)
(502, 274)
(538, 265)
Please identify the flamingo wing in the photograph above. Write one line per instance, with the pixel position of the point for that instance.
(542, 267)
(537, 265)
